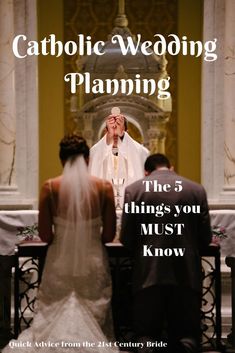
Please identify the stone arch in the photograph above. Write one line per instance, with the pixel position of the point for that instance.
(149, 119)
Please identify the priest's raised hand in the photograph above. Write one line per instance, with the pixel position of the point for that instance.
(117, 155)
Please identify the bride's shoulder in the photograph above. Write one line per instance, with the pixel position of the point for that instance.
(51, 184)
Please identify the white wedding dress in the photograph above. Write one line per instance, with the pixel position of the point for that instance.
(73, 312)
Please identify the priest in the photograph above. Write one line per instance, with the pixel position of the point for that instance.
(117, 157)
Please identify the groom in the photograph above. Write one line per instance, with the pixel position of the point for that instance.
(166, 289)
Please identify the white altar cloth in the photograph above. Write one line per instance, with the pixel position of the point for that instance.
(10, 221)
(226, 219)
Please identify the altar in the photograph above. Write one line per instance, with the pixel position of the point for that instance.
(226, 219)
(14, 225)
(18, 225)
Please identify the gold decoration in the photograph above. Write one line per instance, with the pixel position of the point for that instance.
(96, 18)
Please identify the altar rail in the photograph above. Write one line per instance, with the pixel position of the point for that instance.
(121, 267)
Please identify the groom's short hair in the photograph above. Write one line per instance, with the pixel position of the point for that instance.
(156, 161)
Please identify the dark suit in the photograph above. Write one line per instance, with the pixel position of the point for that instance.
(167, 287)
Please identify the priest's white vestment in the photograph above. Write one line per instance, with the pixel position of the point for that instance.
(128, 164)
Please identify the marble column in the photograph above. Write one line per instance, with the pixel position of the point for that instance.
(18, 108)
(229, 101)
(218, 125)
(157, 131)
(218, 105)
(7, 96)
(229, 131)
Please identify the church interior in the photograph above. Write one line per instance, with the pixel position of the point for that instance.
(194, 127)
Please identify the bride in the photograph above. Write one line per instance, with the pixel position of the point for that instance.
(76, 217)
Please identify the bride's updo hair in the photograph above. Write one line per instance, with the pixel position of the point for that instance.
(73, 145)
